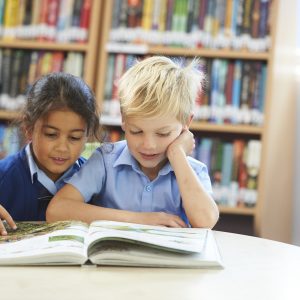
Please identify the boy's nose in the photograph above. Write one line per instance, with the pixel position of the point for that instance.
(149, 143)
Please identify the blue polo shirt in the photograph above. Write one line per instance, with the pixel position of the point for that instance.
(25, 190)
(112, 178)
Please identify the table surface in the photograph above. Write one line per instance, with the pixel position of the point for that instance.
(255, 268)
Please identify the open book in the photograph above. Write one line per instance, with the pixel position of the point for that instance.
(108, 243)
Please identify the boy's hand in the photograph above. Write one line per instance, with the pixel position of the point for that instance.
(161, 219)
(5, 217)
(184, 141)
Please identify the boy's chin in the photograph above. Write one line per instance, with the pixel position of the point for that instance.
(155, 164)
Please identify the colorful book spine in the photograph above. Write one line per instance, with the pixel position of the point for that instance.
(147, 15)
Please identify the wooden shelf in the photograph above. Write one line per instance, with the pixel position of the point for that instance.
(200, 126)
(244, 54)
(247, 211)
(37, 45)
(143, 49)
(8, 115)
(241, 129)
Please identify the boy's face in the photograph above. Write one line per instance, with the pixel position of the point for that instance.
(57, 141)
(148, 140)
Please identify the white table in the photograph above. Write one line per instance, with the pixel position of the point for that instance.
(254, 269)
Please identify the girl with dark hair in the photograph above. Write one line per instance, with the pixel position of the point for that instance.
(59, 116)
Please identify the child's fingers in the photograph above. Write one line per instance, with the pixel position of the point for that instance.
(176, 222)
(2, 229)
(180, 222)
(5, 216)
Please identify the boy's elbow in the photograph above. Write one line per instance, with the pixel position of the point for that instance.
(209, 221)
(213, 218)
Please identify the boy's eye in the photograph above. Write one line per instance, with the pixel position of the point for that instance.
(163, 134)
(135, 132)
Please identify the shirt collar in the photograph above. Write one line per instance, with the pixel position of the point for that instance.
(37, 174)
(31, 163)
(126, 158)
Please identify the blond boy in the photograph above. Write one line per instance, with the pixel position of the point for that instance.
(148, 178)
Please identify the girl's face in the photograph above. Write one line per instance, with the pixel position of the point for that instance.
(57, 141)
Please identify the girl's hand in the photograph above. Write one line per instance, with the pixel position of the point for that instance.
(5, 217)
(184, 141)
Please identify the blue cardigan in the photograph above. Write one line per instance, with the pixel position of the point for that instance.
(24, 200)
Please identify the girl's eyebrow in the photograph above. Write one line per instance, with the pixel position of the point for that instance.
(55, 128)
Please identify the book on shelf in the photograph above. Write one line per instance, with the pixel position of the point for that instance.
(20, 68)
(108, 243)
(197, 23)
(45, 20)
(233, 166)
(85, 17)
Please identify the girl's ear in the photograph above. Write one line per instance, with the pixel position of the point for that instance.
(27, 133)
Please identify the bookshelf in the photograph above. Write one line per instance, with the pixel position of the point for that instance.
(87, 48)
(253, 214)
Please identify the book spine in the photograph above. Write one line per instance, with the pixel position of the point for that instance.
(190, 16)
(246, 23)
(195, 16)
(255, 19)
(202, 14)
(147, 15)
(133, 13)
(162, 16)
(6, 70)
(245, 93)
(57, 61)
(115, 21)
(170, 10)
(85, 15)
(228, 19)
(43, 28)
(228, 92)
(52, 17)
(236, 91)
(11, 16)
(2, 9)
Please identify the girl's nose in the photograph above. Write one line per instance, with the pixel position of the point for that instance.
(62, 144)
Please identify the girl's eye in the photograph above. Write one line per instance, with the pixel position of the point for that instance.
(50, 135)
(75, 138)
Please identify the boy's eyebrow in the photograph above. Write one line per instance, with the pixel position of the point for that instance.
(55, 128)
(167, 127)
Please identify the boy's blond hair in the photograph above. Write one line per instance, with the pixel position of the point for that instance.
(157, 86)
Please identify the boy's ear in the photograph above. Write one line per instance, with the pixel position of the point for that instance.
(122, 122)
(190, 119)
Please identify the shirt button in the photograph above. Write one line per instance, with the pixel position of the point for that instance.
(148, 188)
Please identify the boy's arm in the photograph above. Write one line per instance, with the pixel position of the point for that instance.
(199, 206)
(68, 204)
(5, 216)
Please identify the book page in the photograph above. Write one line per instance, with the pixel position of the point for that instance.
(120, 254)
(171, 239)
(44, 243)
